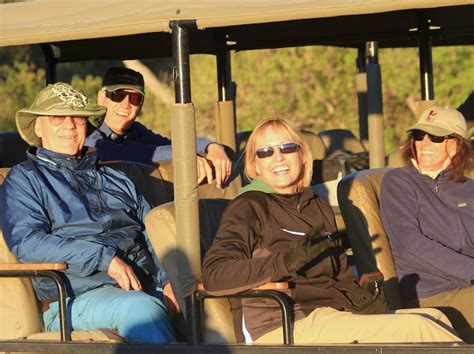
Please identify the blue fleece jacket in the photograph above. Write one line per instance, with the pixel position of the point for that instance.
(430, 224)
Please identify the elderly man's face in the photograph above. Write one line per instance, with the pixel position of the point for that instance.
(65, 135)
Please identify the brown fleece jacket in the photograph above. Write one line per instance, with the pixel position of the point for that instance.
(248, 249)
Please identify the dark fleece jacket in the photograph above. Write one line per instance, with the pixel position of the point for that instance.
(255, 231)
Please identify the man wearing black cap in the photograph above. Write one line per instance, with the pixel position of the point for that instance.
(122, 138)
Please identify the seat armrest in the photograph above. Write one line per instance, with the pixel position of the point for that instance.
(48, 270)
(268, 286)
(268, 290)
(32, 266)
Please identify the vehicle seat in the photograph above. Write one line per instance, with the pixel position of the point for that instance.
(359, 200)
(161, 228)
(20, 315)
(12, 149)
(341, 139)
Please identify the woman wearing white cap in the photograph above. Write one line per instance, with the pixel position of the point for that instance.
(428, 213)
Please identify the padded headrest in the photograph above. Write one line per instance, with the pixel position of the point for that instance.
(359, 200)
(341, 139)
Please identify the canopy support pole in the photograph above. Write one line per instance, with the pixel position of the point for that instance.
(375, 107)
(183, 133)
(426, 60)
(225, 108)
(361, 89)
(50, 63)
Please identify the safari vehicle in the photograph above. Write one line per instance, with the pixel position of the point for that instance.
(70, 31)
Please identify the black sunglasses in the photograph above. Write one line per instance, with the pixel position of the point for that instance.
(136, 98)
(419, 135)
(286, 148)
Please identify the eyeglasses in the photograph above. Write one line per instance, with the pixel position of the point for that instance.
(419, 135)
(136, 98)
(58, 120)
(286, 148)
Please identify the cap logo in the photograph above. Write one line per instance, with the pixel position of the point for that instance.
(431, 116)
(69, 95)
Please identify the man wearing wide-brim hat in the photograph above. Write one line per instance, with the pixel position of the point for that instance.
(62, 206)
(428, 213)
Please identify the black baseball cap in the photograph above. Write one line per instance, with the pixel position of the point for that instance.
(123, 78)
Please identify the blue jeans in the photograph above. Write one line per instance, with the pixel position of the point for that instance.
(138, 316)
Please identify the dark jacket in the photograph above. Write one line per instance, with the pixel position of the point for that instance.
(138, 144)
(430, 225)
(56, 209)
(248, 251)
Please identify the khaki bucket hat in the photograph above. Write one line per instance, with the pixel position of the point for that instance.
(59, 99)
(441, 121)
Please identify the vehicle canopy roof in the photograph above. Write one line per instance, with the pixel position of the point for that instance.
(102, 26)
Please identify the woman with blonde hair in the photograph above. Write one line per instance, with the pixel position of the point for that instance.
(277, 229)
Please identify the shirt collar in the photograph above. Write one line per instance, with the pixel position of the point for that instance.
(109, 134)
(62, 160)
(431, 174)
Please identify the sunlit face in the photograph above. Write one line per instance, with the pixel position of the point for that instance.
(120, 115)
(63, 136)
(435, 156)
(280, 171)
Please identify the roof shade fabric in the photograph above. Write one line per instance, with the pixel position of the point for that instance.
(104, 27)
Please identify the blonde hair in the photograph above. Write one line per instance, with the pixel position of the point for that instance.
(281, 125)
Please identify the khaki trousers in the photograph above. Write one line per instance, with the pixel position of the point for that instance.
(458, 305)
(327, 325)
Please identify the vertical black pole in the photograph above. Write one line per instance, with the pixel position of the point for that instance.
(181, 75)
(49, 63)
(223, 75)
(375, 107)
(361, 88)
(426, 60)
(181, 72)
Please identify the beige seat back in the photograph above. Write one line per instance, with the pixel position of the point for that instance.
(205, 190)
(12, 149)
(359, 201)
(341, 139)
(154, 183)
(19, 314)
(161, 228)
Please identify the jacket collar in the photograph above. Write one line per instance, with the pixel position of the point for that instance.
(302, 198)
(58, 160)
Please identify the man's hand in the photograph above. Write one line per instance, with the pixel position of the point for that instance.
(304, 250)
(123, 274)
(170, 301)
(217, 158)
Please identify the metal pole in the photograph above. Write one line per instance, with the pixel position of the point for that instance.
(426, 60)
(361, 88)
(375, 108)
(183, 129)
(50, 63)
(223, 75)
(181, 71)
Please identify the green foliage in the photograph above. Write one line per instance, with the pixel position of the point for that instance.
(313, 87)
(20, 83)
